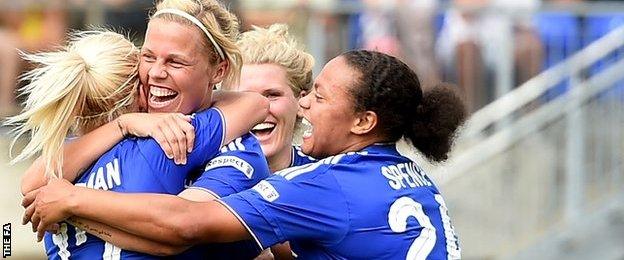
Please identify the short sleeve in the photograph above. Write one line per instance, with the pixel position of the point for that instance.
(209, 135)
(279, 209)
(234, 170)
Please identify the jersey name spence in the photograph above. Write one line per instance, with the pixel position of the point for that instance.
(136, 165)
(371, 204)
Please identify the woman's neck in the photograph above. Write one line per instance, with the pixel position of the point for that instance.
(281, 160)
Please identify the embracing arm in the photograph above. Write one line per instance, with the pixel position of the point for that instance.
(168, 218)
(82, 151)
(242, 111)
(128, 241)
(86, 149)
(125, 240)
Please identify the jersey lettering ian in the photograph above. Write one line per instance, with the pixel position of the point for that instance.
(136, 165)
(371, 204)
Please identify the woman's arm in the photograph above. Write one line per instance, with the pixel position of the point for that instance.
(242, 111)
(82, 151)
(168, 218)
(173, 132)
(125, 240)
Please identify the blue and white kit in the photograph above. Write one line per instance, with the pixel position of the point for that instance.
(136, 165)
(370, 204)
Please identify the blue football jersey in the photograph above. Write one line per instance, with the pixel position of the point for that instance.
(371, 204)
(136, 165)
(239, 166)
(236, 158)
(299, 158)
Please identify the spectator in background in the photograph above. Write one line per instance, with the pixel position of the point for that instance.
(403, 28)
(28, 26)
(469, 44)
(416, 34)
(379, 27)
(263, 13)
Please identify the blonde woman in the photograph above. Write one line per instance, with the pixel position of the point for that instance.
(178, 76)
(277, 67)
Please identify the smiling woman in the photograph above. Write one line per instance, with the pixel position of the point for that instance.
(363, 201)
(174, 69)
(330, 111)
(277, 67)
(170, 70)
(177, 76)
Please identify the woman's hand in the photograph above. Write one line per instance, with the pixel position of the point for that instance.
(48, 205)
(172, 131)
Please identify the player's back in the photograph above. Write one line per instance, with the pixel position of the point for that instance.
(238, 166)
(121, 169)
(396, 212)
(131, 166)
(393, 210)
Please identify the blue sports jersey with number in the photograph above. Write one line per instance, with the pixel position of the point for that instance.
(136, 165)
(299, 158)
(371, 204)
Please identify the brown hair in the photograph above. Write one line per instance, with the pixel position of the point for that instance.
(392, 90)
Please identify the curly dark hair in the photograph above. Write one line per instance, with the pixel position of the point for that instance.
(388, 87)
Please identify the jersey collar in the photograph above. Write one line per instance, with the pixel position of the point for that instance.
(381, 148)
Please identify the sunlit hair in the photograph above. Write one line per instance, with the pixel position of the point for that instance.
(220, 23)
(87, 83)
(276, 46)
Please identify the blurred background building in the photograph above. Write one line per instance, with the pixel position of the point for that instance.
(538, 170)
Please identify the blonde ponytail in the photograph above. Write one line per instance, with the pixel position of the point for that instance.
(86, 84)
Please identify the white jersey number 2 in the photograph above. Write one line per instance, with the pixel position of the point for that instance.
(405, 207)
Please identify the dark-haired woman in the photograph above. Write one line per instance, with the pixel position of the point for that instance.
(363, 201)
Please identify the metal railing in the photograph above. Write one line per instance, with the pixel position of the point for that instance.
(530, 169)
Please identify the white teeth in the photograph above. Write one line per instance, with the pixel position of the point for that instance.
(263, 126)
(305, 122)
(161, 92)
(308, 128)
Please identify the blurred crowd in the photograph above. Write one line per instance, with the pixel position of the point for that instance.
(39, 25)
(472, 42)
(461, 41)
